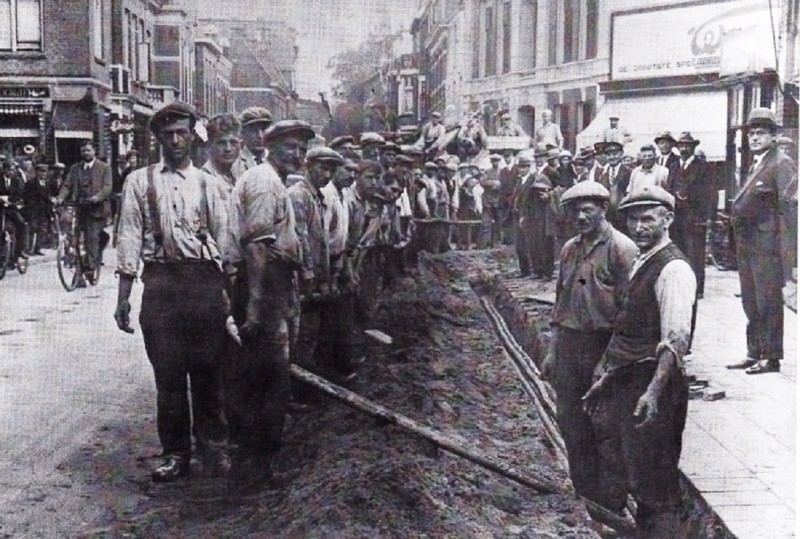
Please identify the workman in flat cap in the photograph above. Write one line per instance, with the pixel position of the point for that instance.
(315, 272)
(225, 144)
(264, 254)
(254, 124)
(593, 273)
(174, 219)
(639, 400)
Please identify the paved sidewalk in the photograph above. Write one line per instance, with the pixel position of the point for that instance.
(739, 452)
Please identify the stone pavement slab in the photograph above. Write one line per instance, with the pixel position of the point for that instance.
(739, 452)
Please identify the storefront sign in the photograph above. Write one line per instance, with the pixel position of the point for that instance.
(24, 92)
(691, 39)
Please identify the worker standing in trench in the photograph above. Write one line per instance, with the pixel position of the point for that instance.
(595, 266)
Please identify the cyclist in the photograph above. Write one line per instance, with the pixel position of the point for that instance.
(89, 184)
(36, 197)
(11, 186)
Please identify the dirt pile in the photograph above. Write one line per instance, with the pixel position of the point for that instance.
(342, 473)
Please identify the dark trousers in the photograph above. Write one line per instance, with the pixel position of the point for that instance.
(643, 461)
(577, 355)
(92, 228)
(182, 321)
(691, 240)
(761, 277)
(15, 219)
(490, 227)
(257, 385)
(303, 353)
(535, 249)
(336, 348)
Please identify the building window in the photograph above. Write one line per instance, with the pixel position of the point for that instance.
(552, 32)
(572, 19)
(476, 51)
(98, 36)
(527, 34)
(491, 43)
(592, 17)
(20, 25)
(506, 37)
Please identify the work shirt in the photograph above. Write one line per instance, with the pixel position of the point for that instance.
(260, 210)
(591, 280)
(617, 134)
(336, 219)
(227, 179)
(675, 292)
(640, 178)
(179, 195)
(550, 134)
(246, 161)
(309, 211)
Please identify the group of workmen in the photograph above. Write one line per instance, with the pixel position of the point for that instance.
(254, 262)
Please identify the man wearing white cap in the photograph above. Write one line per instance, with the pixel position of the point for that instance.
(549, 134)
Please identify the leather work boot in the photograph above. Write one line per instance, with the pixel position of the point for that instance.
(172, 469)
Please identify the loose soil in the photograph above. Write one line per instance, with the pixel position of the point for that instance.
(342, 473)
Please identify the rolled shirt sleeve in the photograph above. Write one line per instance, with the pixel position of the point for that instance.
(675, 289)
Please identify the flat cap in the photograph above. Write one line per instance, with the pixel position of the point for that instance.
(406, 160)
(176, 110)
(371, 138)
(585, 190)
(436, 115)
(599, 147)
(541, 150)
(430, 164)
(411, 150)
(41, 166)
(341, 141)
(613, 117)
(59, 166)
(650, 195)
(762, 116)
(452, 167)
(612, 147)
(495, 157)
(255, 115)
(390, 147)
(664, 135)
(323, 153)
(349, 164)
(463, 165)
(565, 153)
(286, 128)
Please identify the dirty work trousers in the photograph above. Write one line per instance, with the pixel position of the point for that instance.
(182, 321)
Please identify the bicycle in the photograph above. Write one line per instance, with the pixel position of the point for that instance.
(72, 258)
(8, 241)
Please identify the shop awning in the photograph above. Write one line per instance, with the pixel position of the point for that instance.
(10, 132)
(703, 114)
(74, 133)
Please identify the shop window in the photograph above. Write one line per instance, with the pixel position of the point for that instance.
(506, 37)
(20, 25)
(527, 34)
(592, 18)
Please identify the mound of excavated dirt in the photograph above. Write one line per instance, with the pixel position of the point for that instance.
(342, 473)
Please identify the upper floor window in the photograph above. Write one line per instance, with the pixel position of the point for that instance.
(97, 29)
(20, 25)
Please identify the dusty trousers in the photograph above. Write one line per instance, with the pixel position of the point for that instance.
(577, 355)
(182, 321)
(258, 385)
(642, 461)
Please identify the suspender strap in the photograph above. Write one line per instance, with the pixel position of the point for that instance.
(152, 203)
(204, 213)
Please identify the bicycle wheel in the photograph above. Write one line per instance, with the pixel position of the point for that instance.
(67, 263)
(5, 252)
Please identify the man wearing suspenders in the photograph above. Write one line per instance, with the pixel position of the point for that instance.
(173, 218)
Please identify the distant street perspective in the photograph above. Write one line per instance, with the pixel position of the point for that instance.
(422, 268)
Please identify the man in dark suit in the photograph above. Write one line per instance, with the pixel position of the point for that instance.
(36, 195)
(615, 178)
(11, 186)
(667, 156)
(695, 201)
(757, 217)
(89, 182)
